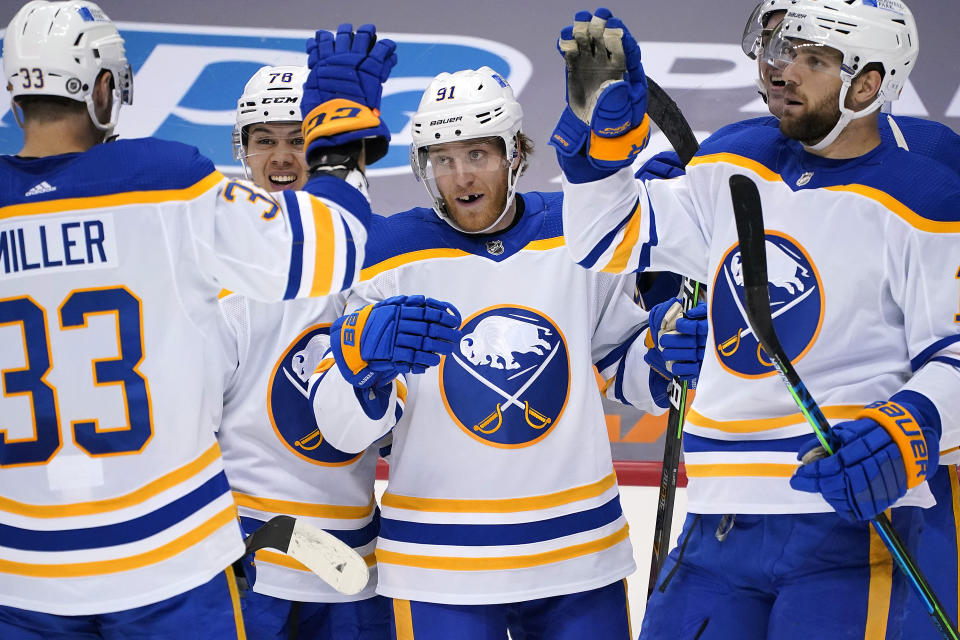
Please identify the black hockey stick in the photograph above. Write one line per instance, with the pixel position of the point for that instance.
(669, 119)
(335, 562)
(748, 212)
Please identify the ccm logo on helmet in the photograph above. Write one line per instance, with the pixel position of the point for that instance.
(434, 123)
(281, 100)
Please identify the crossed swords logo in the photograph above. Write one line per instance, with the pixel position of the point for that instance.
(533, 417)
(313, 439)
(730, 346)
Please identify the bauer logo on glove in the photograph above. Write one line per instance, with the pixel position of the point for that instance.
(403, 334)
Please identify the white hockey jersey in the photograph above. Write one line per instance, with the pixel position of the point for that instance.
(502, 486)
(277, 460)
(863, 271)
(112, 489)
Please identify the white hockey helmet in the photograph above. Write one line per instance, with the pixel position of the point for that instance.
(59, 49)
(467, 105)
(272, 94)
(756, 27)
(864, 32)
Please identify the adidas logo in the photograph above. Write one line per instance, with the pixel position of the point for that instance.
(43, 187)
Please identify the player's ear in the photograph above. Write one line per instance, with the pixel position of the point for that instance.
(863, 90)
(103, 96)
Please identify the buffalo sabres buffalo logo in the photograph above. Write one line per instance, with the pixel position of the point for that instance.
(288, 400)
(507, 383)
(796, 304)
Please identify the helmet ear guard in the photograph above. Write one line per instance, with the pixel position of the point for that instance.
(60, 49)
(461, 106)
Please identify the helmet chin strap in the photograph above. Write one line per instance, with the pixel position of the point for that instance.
(846, 117)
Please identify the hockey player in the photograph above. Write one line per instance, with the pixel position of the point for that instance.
(267, 138)
(937, 551)
(116, 519)
(762, 541)
(276, 460)
(502, 507)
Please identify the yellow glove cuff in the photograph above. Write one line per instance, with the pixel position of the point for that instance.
(906, 432)
(350, 333)
(338, 116)
(622, 147)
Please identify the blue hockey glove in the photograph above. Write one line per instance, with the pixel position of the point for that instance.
(403, 334)
(677, 341)
(606, 95)
(891, 447)
(663, 166)
(341, 96)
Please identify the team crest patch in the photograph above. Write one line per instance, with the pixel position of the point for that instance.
(508, 381)
(796, 303)
(288, 400)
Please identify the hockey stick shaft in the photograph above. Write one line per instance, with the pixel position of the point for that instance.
(748, 212)
(667, 116)
(672, 446)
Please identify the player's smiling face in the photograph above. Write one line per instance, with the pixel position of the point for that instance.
(472, 178)
(275, 156)
(772, 77)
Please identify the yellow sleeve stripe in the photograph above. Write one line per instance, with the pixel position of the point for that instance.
(227, 517)
(313, 510)
(507, 562)
(756, 470)
(621, 255)
(113, 199)
(142, 494)
(839, 412)
(224, 293)
(401, 392)
(744, 163)
(503, 505)
(325, 248)
(900, 209)
(282, 559)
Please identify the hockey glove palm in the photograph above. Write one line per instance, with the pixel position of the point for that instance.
(606, 93)
(341, 96)
(891, 447)
(677, 341)
(403, 334)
